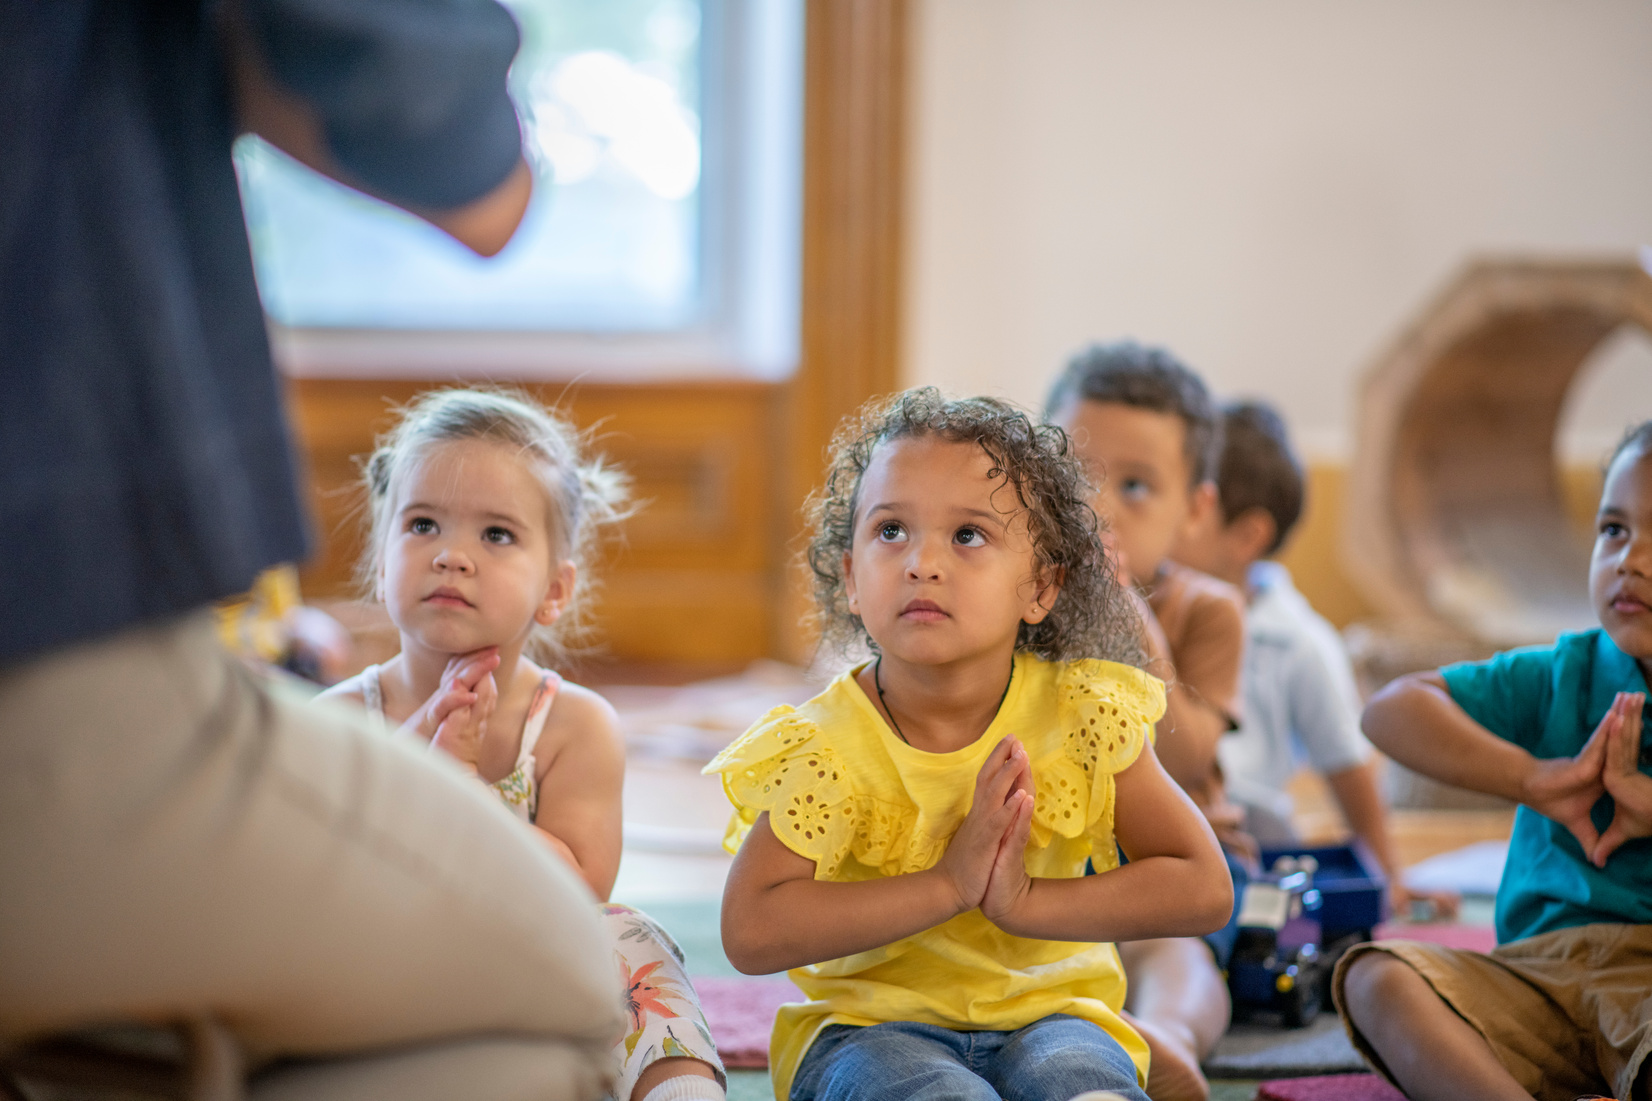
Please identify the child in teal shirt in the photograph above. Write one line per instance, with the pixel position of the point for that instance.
(1563, 1006)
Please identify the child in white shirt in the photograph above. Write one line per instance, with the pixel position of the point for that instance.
(1300, 703)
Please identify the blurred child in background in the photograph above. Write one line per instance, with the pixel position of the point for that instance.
(1300, 699)
(1149, 434)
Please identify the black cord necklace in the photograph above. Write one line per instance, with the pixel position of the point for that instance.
(877, 682)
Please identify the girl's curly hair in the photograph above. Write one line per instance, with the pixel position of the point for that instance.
(1093, 617)
(583, 496)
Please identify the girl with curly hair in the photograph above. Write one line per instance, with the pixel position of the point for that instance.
(913, 842)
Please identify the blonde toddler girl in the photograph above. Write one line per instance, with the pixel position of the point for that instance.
(481, 510)
(912, 843)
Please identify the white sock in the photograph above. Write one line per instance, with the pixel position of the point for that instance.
(687, 1087)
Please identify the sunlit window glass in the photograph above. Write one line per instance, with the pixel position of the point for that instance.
(609, 92)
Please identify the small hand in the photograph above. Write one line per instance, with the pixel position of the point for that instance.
(1009, 882)
(1227, 821)
(458, 688)
(1442, 905)
(1629, 787)
(461, 733)
(1564, 789)
(969, 858)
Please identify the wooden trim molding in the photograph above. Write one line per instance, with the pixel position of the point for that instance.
(854, 151)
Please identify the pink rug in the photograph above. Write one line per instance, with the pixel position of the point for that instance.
(1475, 938)
(741, 1011)
(1330, 1087)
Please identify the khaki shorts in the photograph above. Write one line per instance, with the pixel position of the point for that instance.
(1567, 1013)
(181, 839)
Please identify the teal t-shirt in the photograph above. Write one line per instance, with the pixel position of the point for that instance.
(1548, 700)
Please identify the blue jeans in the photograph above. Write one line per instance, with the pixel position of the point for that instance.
(1051, 1059)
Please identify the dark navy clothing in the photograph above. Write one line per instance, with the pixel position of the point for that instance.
(1548, 700)
(144, 461)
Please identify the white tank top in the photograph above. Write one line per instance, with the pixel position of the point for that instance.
(519, 790)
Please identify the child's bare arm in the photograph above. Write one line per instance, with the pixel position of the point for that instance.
(1415, 721)
(1362, 805)
(291, 123)
(580, 785)
(1191, 727)
(1176, 883)
(776, 915)
(1187, 737)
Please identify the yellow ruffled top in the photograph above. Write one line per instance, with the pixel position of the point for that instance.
(843, 791)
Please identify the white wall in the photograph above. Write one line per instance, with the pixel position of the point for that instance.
(1272, 188)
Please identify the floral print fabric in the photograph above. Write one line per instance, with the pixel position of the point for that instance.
(664, 1019)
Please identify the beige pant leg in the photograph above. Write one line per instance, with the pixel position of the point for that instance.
(178, 839)
(472, 1070)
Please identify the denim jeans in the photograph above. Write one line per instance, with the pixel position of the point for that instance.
(1051, 1059)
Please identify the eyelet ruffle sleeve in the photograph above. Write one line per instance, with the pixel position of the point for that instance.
(1106, 712)
(782, 766)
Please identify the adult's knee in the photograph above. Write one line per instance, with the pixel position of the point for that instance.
(480, 1069)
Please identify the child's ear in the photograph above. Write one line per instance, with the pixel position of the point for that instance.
(1253, 531)
(1202, 508)
(849, 583)
(557, 595)
(1049, 588)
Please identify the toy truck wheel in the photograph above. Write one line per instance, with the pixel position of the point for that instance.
(1298, 1008)
(1299, 1002)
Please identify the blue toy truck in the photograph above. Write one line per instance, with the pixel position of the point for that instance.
(1295, 921)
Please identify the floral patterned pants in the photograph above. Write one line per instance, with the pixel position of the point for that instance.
(664, 1017)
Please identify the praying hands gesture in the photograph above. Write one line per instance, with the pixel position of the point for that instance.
(1629, 787)
(1415, 722)
(454, 719)
(1565, 789)
(979, 859)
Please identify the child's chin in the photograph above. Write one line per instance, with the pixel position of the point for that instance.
(1631, 634)
(448, 641)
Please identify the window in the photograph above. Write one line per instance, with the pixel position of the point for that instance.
(663, 235)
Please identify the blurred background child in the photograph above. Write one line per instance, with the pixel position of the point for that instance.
(1301, 703)
(1148, 431)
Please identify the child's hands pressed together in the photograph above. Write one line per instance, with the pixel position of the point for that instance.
(455, 716)
(1629, 787)
(1009, 882)
(1563, 789)
(1002, 790)
(460, 734)
(1566, 789)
